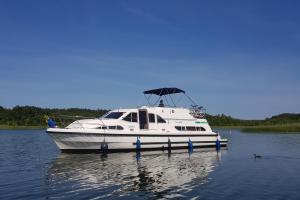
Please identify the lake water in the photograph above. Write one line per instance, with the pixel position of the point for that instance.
(31, 167)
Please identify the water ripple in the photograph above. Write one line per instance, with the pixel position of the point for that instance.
(31, 167)
(122, 173)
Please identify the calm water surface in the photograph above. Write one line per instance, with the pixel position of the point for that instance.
(31, 167)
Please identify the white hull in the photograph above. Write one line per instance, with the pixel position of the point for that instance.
(84, 140)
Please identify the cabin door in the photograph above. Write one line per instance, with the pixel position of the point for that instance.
(143, 119)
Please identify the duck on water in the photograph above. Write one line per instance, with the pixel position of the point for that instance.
(257, 156)
(150, 127)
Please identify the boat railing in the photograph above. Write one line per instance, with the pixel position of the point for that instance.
(197, 111)
(63, 121)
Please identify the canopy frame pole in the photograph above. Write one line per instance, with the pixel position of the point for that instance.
(167, 100)
(148, 99)
(159, 97)
(177, 102)
(170, 98)
(157, 100)
(193, 102)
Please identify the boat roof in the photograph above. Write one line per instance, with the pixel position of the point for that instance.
(146, 107)
(164, 91)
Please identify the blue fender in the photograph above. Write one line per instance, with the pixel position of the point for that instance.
(138, 144)
(190, 145)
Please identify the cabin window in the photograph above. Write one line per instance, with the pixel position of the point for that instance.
(151, 118)
(128, 117)
(160, 120)
(114, 115)
(131, 117)
(200, 129)
(111, 127)
(191, 128)
(134, 117)
(120, 128)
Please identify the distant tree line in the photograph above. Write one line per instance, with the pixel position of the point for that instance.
(34, 116)
(224, 120)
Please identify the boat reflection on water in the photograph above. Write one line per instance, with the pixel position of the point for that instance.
(159, 173)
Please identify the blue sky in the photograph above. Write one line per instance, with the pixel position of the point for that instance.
(241, 58)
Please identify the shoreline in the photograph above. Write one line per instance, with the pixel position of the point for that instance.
(280, 128)
(7, 127)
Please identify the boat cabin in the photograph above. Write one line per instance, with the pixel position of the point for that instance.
(156, 118)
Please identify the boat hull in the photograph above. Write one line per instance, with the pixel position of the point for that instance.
(76, 141)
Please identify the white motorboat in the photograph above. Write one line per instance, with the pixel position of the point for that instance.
(152, 127)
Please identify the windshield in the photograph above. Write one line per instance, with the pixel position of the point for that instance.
(114, 115)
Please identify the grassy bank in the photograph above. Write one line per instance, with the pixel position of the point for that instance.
(7, 127)
(282, 128)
